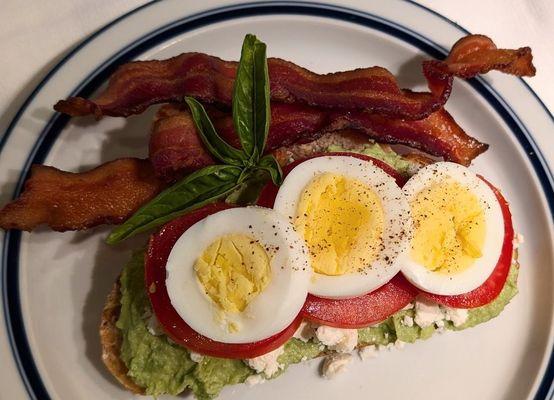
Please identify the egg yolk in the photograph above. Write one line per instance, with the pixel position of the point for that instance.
(449, 227)
(341, 220)
(233, 270)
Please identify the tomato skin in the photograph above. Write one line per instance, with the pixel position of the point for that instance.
(159, 248)
(269, 192)
(361, 311)
(492, 287)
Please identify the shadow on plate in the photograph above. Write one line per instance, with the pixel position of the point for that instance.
(410, 73)
(130, 140)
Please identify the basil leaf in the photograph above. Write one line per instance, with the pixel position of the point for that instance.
(270, 164)
(251, 112)
(262, 101)
(213, 142)
(249, 190)
(195, 190)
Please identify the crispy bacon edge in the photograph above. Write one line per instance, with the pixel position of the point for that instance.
(137, 85)
(176, 149)
(107, 194)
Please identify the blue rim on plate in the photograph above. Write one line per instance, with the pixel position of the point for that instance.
(10, 262)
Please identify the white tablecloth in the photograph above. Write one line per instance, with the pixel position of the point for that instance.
(34, 35)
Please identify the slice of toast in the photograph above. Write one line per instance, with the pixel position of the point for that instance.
(110, 335)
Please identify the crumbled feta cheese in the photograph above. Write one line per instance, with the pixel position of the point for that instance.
(305, 331)
(153, 326)
(458, 316)
(408, 321)
(388, 347)
(399, 344)
(334, 364)
(196, 357)
(518, 240)
(439, 324)
(254, 380)
(368, 352)
(266, 363)
(427, 313)
(337, 339)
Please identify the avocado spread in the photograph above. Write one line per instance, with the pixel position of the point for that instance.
(162, 367)
(376, 151)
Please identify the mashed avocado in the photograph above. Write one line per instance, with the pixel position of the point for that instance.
(376, 151)
(165, 368)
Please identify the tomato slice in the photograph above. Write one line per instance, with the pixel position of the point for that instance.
(356, 312)
(269, 192)
(159, 248)
(491, 288)
(362, 311)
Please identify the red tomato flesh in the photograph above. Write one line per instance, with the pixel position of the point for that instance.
(159, 248)
(492, 287)
(355, 312)
(362, 311)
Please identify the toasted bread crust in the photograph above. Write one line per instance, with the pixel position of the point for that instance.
(110, 338)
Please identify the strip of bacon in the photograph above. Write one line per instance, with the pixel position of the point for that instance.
(170, 150)
(175, 147)
(137, 85)
(290, 123)
(108, 194)
(438, 134)
(479, 55)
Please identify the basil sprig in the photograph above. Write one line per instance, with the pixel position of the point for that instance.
(242, 168)
(251, 112)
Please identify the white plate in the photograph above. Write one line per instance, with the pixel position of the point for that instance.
(54, 285)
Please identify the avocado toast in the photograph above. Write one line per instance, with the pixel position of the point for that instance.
(148, 362)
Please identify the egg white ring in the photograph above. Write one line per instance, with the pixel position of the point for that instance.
(476, 274)
(397, 222)
(274, 308)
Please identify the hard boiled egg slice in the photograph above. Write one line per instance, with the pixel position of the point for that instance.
(354, 219)
(458, 230)
(239, 276)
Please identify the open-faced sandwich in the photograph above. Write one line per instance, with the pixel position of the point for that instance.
(285, 225)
